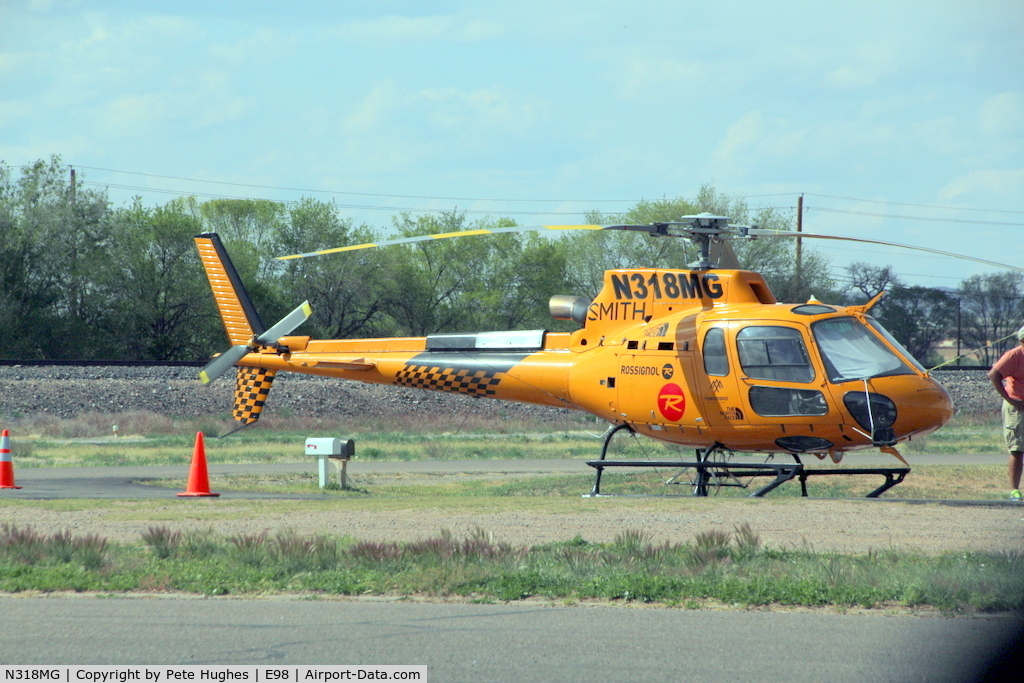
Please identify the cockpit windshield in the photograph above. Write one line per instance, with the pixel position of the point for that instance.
(851, 351)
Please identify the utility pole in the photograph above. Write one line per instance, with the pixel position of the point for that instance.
(72, 186)
(799, 245)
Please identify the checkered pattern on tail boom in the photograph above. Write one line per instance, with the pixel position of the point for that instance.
(252, 385)
(455, 380)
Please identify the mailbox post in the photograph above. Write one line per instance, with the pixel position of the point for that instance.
(325, 450)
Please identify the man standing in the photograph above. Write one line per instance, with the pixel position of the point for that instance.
(1007, 377)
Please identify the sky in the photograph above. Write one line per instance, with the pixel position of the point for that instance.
(901, 121)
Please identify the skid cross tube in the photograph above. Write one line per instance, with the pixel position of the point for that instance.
(707, 470)
(782, 472)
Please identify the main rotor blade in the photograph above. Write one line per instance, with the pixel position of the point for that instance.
(446, 235)
(792, 233)
(222, 363)
(286, 324)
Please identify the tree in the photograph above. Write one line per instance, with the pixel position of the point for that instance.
(992, 308)
(869, 281)
(594, 252)
(919, 318)
(157, 286)
(346, 290)
(590, 253)
(432, 285)
(515, 282)
(53, 241)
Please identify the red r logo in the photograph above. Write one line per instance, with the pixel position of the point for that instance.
(671, 402)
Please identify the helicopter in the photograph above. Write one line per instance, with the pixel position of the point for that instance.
(702, 356)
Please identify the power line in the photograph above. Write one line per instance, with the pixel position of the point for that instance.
(356, 194)
(399, 196)
(923, 206)
(290, 202)
(914, 218)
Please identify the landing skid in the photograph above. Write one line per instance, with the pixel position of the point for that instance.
(706, 473)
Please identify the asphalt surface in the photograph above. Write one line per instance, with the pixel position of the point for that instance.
(127, 482)
(519, 642)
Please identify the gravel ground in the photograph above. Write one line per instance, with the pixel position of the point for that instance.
(843, 526)
(68, 392)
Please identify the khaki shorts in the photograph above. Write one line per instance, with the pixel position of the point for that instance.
(1013, 428)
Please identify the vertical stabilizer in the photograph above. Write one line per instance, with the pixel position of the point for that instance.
(241, 321)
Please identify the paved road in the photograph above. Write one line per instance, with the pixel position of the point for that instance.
(495, 643)
(120, 482)
(43, 483)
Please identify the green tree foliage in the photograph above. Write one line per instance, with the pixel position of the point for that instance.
(918, 317)
(591, 253)
(437, 286)
(53, 241)
(156, 286)
(519, 277)
(992, 307)
(80, 279)
(346, 289)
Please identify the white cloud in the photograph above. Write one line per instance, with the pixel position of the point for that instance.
(1004, 187)
(1003, 114)
(419, 30)
(848, 77)
(869, 63)
(638, 73)
(754, 141)
(486, 108)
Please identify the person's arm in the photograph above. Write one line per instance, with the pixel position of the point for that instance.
(996, 378)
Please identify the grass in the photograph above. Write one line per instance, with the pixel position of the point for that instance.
(716, 566)
(149, 439)
(962, 435)
(928, 482)
(264, 447)
(486, 440)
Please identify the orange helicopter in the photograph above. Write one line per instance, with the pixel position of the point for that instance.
(703, 356)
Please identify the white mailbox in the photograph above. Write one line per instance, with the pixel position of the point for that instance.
(329, 447)
(332, 449)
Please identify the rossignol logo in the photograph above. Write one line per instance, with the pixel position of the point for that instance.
(646, 370)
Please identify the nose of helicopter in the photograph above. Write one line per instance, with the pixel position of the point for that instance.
(923, 405)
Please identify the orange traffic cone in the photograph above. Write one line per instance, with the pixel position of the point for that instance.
(198, 481)
(6, 465)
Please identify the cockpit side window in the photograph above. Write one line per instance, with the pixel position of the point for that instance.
(770, 352)
(716, 362)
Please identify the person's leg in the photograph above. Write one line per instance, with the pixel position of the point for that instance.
(1013, 431)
